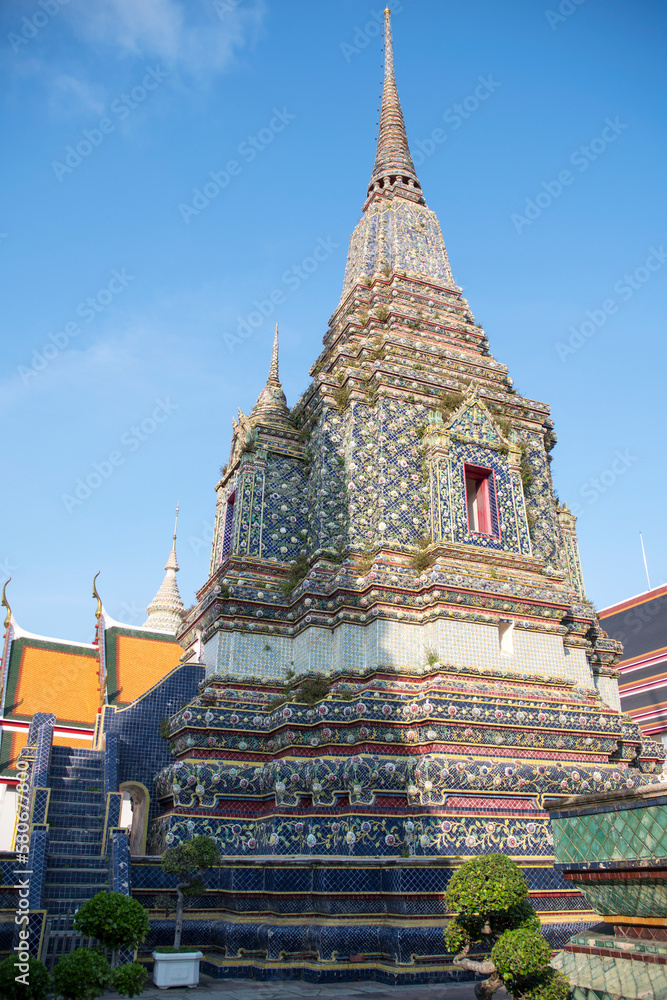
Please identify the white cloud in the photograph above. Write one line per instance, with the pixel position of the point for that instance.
(198, 38)
(68, 95)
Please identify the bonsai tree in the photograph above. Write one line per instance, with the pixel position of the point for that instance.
(489, 896)
(84, 974)
(31, 985)
(187, 861)
(116, 920)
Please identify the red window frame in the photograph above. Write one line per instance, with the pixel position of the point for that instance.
(480, 477)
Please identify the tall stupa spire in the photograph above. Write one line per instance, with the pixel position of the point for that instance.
(165, 612)
(394, 172)
(271, 406)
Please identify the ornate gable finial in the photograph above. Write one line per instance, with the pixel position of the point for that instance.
(96, 597)
(394, 173)
(5, 603)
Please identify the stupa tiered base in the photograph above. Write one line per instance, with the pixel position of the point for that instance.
(351, 812)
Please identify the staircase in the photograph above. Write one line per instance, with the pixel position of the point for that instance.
(76, 869)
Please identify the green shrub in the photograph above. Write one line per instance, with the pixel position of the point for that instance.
(36, 980)
(129, 979)
(116, 920)
(82, 975)
(486, 884)
(168, 949)
(520, 954)
(188, 861)
(489, 896)
(548, 985)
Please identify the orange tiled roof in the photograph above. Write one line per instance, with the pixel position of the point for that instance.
(139, 663)
(49, 679)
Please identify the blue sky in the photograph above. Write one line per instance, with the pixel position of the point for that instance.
(122, 289)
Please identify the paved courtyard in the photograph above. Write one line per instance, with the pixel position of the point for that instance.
(296, 989)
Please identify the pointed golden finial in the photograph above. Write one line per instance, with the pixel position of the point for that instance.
(173, 547)
(96, 596)
(5, 604)
(273, 370)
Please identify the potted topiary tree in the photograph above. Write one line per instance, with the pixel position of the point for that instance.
(489, 896)
(117, 921)
(179, 966)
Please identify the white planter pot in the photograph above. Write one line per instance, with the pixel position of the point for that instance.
(176, 968)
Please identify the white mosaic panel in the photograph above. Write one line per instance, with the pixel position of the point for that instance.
(608, 691)
(398, 644)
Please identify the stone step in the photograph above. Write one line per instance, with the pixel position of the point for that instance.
(91, 824)
(82, 851)
(66, 907)
(66, 892)
(74, 863)
(66, 783)
(72, 835)
(65, 799)
(58, 753)
(85, 773)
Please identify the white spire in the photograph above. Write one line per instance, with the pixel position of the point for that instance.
(165, 612)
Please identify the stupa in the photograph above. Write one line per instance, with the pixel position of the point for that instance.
(401, 662)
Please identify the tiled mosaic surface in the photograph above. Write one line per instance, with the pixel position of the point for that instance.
(617, 834)
(401, 235)
(609, 971)
(389, 765)
(613, 850)
(639, 898)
